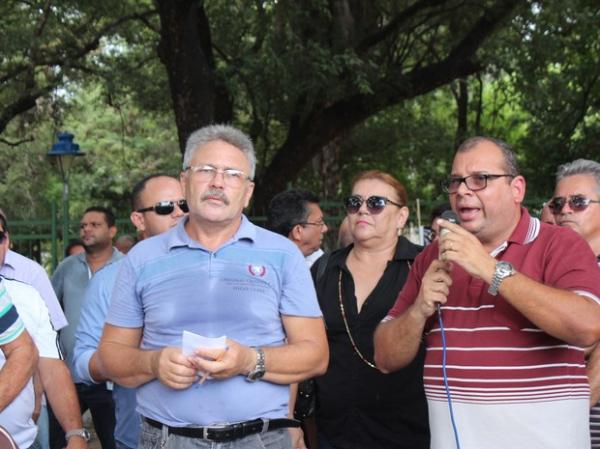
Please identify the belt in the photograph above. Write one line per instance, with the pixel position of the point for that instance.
(227, 432)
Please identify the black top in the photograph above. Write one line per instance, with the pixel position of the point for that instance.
(358, 406)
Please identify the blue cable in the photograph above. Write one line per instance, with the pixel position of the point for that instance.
(448, 395)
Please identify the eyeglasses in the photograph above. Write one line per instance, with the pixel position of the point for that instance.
(2, 236)
(231, 176)
(319, 223)
(375, 203)
(474, 182)
(576, 202)
(167, 207)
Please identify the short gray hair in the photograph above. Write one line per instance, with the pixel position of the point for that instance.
(226, 133)
(510, 160)
(579, 167)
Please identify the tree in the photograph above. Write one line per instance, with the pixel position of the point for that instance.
(46, 45)
(324, 66)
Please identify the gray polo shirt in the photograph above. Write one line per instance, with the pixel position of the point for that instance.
(70, 281)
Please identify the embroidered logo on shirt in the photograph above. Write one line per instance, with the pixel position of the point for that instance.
(257, 270)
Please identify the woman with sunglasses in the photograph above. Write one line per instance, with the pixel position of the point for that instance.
(357, 405)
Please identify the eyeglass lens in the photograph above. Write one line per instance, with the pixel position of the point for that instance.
(375, 204)
(167, 207)
(576, 202)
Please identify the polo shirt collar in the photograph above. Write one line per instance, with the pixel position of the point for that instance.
(526, 232)
(179, 237)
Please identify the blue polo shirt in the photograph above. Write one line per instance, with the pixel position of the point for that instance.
(170, 283)
(87, 337)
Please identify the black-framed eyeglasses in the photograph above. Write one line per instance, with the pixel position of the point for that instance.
(167, 207)
(375, 203)
(476, 182)
(319, 223)
(577, 203)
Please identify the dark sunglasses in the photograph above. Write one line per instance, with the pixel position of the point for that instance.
(375, 204)
(166, 207)
(576, 202)
(2, 236)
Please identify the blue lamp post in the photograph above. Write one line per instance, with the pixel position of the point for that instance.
(64, 151)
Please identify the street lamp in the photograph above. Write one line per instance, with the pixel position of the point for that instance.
(65, 151)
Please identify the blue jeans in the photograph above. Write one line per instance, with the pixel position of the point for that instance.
(153, 438)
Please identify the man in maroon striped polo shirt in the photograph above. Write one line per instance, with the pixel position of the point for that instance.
(518, 300)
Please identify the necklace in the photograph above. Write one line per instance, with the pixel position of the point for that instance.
(343, 310)
(372, 365)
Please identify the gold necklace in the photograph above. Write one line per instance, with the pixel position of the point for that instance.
(372, 365)
(343, 310)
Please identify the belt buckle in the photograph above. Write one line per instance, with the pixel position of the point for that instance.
(214, 432)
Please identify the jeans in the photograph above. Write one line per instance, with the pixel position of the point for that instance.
(153, 438)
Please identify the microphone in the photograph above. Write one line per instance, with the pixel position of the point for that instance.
(450, 216)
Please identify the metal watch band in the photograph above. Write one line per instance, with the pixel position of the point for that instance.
(259, 369)
(83, 433)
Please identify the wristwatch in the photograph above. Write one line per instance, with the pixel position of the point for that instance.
(259, 370)
(503, 270)
(83, 433)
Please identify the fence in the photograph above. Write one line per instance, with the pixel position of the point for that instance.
(41, 239)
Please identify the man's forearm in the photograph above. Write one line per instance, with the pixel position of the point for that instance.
(560, 313)
(293, 363)
(127, 366)
(21, 360)
(397, 341)
(61, 393)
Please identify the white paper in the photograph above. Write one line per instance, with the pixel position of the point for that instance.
(191, 341)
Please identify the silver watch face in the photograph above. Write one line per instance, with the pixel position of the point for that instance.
(504, 269)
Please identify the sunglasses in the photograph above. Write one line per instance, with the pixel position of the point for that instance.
(577, 203)
(2, 236)
(166, 207)
(375, 203)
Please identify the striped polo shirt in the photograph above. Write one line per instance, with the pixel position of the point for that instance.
(11, 325)
(512, 385)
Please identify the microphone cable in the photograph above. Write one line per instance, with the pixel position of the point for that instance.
(445, 375)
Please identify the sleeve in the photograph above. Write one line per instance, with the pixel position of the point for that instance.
(89, 330)
(40, 328)
(42, 284)
(125, 308)
(411, 287)
(11, 325)
(571, 265)
(298, 296)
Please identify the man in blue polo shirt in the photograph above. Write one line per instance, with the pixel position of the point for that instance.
(215, 274)
(158, 204)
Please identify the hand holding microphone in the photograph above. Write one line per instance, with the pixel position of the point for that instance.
(444, 243)
(436, 282)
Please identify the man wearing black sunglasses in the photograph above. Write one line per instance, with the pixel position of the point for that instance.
(164, 192)
(517, 299)
(576, 204)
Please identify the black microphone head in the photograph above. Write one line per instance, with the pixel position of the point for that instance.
(450, 216)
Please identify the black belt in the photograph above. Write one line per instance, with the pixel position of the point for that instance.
(228, 432)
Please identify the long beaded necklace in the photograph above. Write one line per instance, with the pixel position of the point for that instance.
(343, 310)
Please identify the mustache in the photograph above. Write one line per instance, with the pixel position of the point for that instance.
(215, 193)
